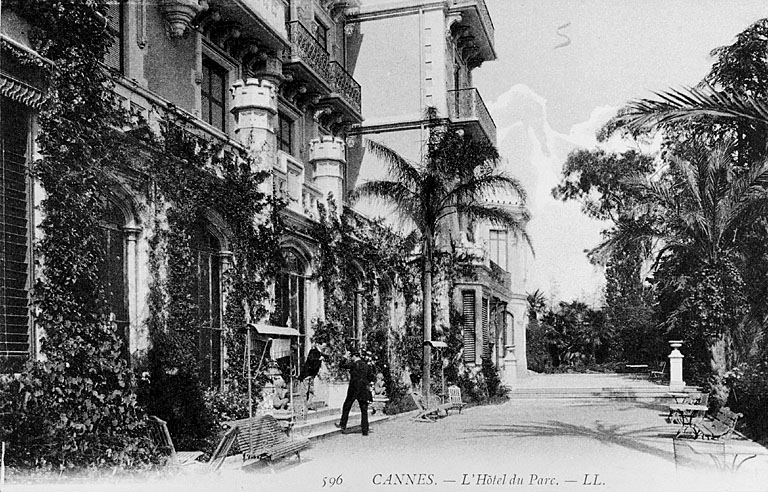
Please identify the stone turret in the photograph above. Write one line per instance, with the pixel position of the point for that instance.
(254, 105)
(328, 157)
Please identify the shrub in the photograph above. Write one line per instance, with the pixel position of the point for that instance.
(749, 395)
(59, 420)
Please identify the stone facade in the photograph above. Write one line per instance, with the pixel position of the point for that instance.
(438, 46)
(265, 76)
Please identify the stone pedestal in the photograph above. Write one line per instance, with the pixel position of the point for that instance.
(676, 382)
(510, 367)
(328, 158)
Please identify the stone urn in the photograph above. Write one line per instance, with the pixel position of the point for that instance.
(178, 14)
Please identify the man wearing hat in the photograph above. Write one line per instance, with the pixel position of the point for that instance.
(359, 381)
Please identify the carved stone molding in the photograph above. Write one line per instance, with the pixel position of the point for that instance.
(178, 15)
(451, 21)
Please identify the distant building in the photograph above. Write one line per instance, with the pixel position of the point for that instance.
(416, 54)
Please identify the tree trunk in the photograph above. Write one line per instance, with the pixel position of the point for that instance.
(426, 291)
(718, 347)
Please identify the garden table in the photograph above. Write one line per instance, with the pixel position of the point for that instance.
(637, 369)
(728, 454)
(686, 415)
(679, 397)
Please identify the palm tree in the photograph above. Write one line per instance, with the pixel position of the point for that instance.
(696, 216)
(704, 100)
(457, 175)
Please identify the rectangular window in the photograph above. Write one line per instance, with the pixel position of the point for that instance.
(498, 246)
(284, 133)
(321, 34)
(212, 95)
(14, 233)
(114, 56)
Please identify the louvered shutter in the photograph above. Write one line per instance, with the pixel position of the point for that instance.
(486, 331)
(468, 321)
(14, 245)
(114, 57)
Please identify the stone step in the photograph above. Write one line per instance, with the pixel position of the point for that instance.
(660, 394)
(324, 426)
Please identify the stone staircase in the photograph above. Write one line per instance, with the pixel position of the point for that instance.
(591, 386)
(320, 423)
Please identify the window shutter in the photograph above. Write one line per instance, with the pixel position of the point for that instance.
(468, 319)
(486, 333)
(14, 244)
(114, 57)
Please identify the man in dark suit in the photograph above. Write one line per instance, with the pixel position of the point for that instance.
(359, 389)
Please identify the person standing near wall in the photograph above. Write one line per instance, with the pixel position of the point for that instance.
(359, 389)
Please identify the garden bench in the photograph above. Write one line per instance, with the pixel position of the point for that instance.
(721, 426)
(264, 439)
(658, 375)
(158, 430)
(430, 411)
(161, 436)
(453, 401)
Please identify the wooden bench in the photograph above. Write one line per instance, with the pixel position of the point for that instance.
(658, 375)
(159, 432)
(428, 412)
(720, 426)
(264, 439)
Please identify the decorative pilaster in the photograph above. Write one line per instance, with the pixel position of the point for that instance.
(327, 156)
(137, 336)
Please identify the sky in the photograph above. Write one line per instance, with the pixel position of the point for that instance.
(564, 67)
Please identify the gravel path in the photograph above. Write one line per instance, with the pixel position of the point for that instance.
(531, 445)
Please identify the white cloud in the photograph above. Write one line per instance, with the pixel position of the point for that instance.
(535, 153)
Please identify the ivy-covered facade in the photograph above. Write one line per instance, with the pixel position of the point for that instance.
(263, 80)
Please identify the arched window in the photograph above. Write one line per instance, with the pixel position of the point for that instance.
(207, 253)
(113, 270)
(290, 295)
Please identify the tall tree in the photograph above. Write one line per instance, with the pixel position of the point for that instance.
(702, 207)
(457, 176)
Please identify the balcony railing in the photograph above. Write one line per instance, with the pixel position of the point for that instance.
(271, 11)
(466, 105)
(346, 86)
(305, 47)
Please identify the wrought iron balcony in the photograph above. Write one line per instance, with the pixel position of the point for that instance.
(346, 86)
(465, 106)
(307, 51)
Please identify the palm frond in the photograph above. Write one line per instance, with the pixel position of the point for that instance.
(394, 194)
(512, 220)
(400, 168)
(482, 186)
(690, 102)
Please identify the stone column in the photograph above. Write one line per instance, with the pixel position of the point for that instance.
(510, 367)
(138, 338)
(327, 156)
(676, 382)
(254, 104)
